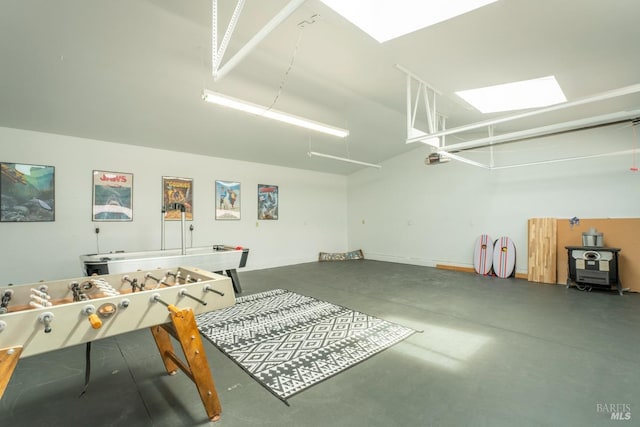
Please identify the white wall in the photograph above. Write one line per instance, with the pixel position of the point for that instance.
(312, 207)
(411, 213)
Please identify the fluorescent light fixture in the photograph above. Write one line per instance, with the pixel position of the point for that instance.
(342, 159)
(388, 19)
(520, 95)
(259, 110)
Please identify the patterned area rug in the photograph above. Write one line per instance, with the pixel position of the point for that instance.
(289, 342)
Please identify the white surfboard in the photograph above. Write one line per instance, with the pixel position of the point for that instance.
(483, 254)
(504, 257)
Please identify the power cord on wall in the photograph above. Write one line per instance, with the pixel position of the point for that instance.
(302, 26)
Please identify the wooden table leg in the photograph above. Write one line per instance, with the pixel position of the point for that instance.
(163, 341)
(8, 361)
(184, 329)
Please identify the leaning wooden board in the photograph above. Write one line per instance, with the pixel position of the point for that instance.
(541, 266)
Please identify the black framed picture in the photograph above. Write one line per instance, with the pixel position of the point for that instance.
(227, 200)
(112, 196)
(177, 191)
(267, 201)
(27, 193)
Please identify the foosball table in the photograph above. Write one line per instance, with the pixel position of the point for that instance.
(46, 316)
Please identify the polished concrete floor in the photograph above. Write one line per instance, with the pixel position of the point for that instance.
(493, 352)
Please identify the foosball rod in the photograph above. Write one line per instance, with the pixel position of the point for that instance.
(159, 281)
(171, 307)
(208, 288)
(134, 283)
(183, 293)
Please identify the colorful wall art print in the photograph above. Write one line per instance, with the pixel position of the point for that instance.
(180, 191)
(112, 196)
(227, 200)
(27, 193)
(267, 201)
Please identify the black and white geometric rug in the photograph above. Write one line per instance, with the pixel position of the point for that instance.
(289, 342)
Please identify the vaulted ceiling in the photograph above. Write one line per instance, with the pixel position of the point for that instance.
(133, 72)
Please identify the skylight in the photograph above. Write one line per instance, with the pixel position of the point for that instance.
(533, 93)
(388, 19)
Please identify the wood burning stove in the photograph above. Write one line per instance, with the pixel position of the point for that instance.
(594, 267)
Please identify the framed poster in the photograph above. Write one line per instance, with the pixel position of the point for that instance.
(177, 190)
(267, 201)
(112, 196)
(27, 193)
(227, 200)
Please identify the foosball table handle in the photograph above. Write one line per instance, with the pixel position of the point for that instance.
(46, 318)
(94, 320)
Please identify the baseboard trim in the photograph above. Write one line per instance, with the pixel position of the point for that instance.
(471, 270)
(398, 260)
(455, 268)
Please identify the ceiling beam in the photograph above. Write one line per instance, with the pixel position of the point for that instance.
(291, 7)
(627, 90)
(218, 52)
(588, 122)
